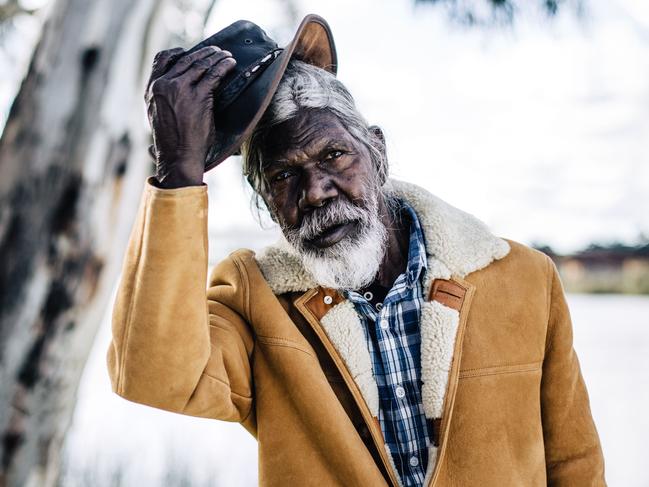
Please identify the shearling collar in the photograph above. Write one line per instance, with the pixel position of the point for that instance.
(458, 242)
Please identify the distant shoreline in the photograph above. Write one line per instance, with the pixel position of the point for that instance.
(599, 269)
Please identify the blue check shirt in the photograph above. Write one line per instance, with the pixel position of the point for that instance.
(391, 327)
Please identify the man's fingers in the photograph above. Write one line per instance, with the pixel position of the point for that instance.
(185, 62)
(216, 73)
(203, 66)
(162, 62)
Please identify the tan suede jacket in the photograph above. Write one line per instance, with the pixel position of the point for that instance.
(265, 346)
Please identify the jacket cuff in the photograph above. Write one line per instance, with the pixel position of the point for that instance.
(151, 187)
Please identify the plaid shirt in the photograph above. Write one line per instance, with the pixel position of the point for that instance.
(391, 327)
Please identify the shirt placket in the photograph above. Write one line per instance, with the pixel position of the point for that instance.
(389, 337)
(392, 341)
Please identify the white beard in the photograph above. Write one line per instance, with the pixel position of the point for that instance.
(355, 263)
(352, 263)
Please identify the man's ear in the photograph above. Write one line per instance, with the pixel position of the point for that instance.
(376, 131)
(379, 143)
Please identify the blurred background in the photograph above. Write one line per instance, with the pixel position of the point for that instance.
(532, 115)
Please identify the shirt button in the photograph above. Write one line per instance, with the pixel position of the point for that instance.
(328, 299)
(378, 306)
(401, 392)
(384, 324)
(414, 461)
(368, 295)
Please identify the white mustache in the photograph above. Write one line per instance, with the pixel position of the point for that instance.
(334, 213)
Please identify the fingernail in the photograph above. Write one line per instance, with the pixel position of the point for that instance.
(227, 53)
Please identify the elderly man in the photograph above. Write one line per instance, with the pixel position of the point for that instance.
(387, 339)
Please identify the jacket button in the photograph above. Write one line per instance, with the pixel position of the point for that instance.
(328, 299)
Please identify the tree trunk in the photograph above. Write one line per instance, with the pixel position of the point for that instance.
(72, 163)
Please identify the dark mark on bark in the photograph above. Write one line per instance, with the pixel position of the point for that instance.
(10, 443)
(89, 58)
(66, 207)
(58, 300)
(118, 154)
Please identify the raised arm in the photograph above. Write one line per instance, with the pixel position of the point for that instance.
(177, 345)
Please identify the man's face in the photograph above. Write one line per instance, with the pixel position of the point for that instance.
(323, 192)
(312, 161)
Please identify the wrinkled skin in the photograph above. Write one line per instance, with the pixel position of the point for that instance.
(312, 161)
(179, 104)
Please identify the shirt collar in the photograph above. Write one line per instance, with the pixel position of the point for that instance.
(417, 262)
(416, 248)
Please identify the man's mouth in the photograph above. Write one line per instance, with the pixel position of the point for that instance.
(332, 235)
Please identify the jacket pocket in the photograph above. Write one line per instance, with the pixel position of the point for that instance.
(284, 342)
(500, 369)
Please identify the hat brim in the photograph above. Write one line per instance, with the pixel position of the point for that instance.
(312, 43)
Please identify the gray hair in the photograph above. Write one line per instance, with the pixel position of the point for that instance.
(307, 87)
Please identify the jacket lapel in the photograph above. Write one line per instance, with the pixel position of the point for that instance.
(443, 322)
(335, 322)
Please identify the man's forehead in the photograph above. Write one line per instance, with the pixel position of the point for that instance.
(310, 130)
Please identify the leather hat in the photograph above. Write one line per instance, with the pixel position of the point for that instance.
(245, 93)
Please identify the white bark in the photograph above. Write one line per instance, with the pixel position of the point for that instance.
(72, 163)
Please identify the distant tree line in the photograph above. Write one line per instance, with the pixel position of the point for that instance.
(502, 12)
(604, 268)
(613, 249)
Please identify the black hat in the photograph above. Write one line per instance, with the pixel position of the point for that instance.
(245, 93)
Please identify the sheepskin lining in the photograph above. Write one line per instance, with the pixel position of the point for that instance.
(344, 329)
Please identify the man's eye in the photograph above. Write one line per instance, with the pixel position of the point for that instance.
(282, 175)
(334, 154)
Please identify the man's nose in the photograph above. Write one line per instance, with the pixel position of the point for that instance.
(317, 190)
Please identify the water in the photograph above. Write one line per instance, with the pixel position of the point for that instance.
(611, 337)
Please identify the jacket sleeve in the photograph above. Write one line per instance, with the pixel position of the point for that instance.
(177, 345)
(572, 448)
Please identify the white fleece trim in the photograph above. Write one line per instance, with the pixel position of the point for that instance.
(394, 467)
(439, 325)
(435, 269)
(461, 241)
(345, 331)
(432, 461)
(458, 240)
(283, 269)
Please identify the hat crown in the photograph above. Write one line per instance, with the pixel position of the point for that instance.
(243, 95)
(244, 39)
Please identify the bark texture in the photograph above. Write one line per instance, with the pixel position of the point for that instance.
(72, 163)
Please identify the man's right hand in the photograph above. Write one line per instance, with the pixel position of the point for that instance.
(179, 99)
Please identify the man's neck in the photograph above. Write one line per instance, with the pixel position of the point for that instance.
(395, 259)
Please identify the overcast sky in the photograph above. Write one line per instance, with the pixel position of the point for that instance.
(541, 130)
